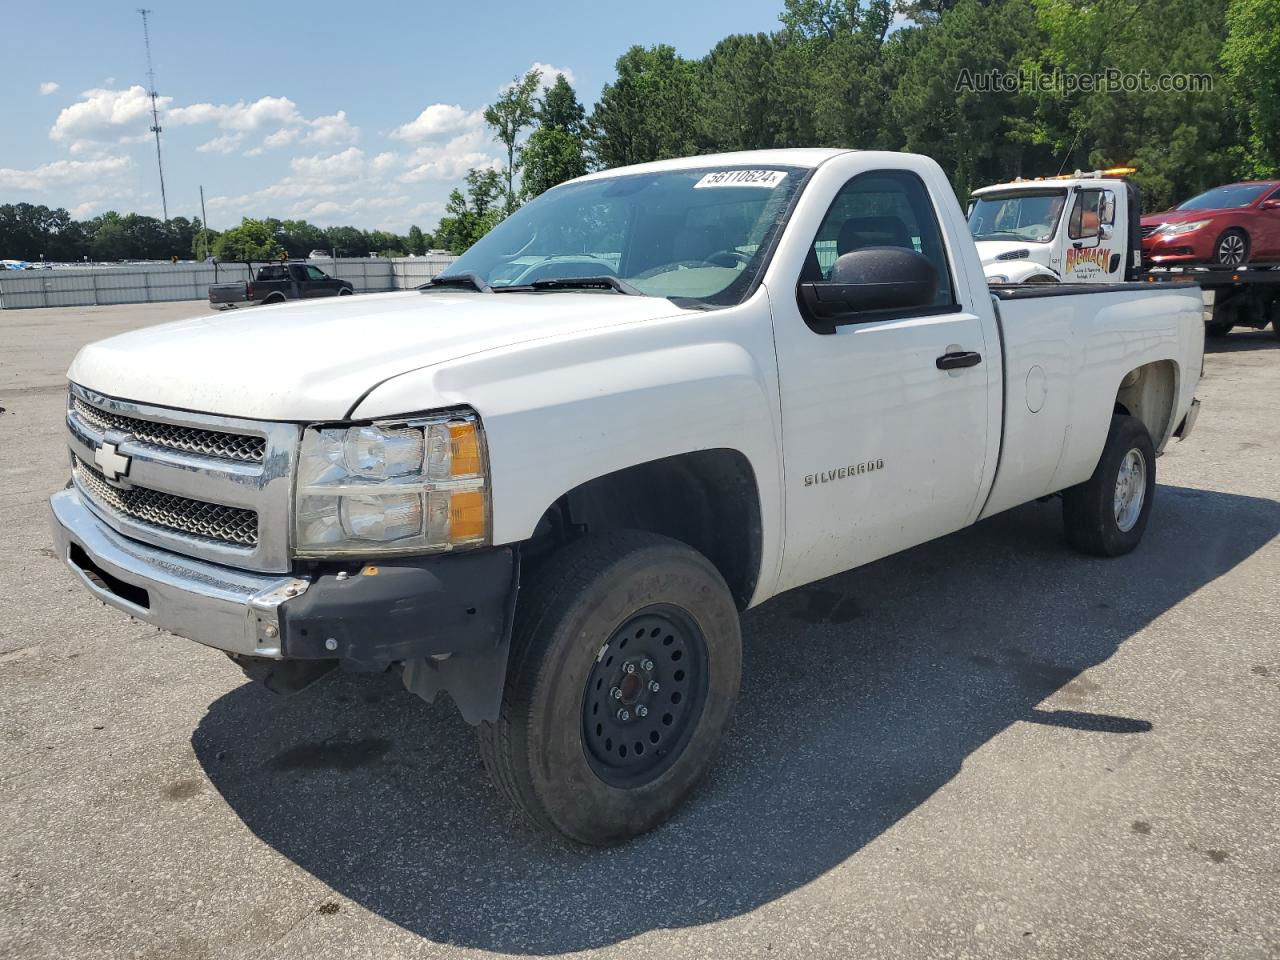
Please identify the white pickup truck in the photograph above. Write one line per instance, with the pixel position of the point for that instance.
(548, 482)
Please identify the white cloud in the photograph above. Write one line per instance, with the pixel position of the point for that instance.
(263, 113)
(331, 130)
(63, 172)
(223, 144)
(438, 120)
(449, 161)
(49, 87)
(549, 73)
(280, 138)
(347, 165)
(106, 115)
(384, 162)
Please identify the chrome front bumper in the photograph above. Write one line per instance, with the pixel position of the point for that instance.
(232, 610)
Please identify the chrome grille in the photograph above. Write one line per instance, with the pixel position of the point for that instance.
(193, 518)
(1148, 231)
(168, 436)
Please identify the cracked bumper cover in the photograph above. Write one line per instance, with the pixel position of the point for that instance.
(409, 609)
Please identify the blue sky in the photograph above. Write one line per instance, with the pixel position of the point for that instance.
(333, 112)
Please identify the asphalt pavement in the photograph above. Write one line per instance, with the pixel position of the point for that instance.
(988, 746)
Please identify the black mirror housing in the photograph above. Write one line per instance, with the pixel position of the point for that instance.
(871, 280)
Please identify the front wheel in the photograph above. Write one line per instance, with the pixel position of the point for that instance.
(623, 674)
(1107, 514)
(344, 292)
(1232, 248)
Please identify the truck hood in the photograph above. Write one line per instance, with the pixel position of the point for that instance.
(988, 250)
(313, 361)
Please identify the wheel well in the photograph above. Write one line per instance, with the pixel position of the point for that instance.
(707, 499)
(1150, 393)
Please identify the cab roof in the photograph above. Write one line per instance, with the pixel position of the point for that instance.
(808, 157)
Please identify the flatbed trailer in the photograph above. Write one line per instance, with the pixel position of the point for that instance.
(1244, 296)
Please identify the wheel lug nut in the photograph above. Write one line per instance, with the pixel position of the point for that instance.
(646, 665)
(642, 711)
(624, 716)
(628, 668)
(653, 686)
(616, 693)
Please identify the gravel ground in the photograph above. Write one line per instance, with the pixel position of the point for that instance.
(985, 747)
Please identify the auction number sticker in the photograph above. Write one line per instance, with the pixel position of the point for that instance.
(742, 178)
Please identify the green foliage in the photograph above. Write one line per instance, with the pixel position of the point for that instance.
(469, 217)
(650, 111)
(509, 115)
(1251, 55)
(559, 108)
(252, 240)
(417, 241)
(555, 151)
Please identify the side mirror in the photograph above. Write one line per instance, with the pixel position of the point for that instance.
(1106, 231)
(869, 284)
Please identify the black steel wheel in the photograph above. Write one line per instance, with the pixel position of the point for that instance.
(644, 696)
(623, 674)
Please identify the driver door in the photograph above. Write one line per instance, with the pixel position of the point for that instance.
(885, 447)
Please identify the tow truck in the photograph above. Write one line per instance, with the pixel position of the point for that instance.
(1084, 227)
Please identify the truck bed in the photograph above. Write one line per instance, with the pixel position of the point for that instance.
(1062, 345)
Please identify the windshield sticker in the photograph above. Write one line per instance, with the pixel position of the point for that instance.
(742, 178)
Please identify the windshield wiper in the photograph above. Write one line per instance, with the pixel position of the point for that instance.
(602, 282)
(473, 280)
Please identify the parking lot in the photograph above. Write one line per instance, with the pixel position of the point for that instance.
(988, 746)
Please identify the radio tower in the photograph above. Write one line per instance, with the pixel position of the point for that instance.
(155, 114)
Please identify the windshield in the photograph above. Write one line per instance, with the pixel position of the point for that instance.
(1024, 215)
(696, 235)
(1225, 198)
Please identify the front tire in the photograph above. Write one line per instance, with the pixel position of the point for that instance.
(1107, 514)
(1232, 248)
(623, 675)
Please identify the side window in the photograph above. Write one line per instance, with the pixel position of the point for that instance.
(1108, 209)
(884, 208)
(1086, 215)
(270, 273)
(314, 274)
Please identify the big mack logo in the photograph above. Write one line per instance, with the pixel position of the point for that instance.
(1088, 260)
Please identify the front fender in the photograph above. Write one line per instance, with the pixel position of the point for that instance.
(562, 411)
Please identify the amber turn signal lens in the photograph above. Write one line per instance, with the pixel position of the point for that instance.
(466, 516)
(465, 442)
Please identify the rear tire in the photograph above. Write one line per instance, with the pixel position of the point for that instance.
(1107, 514)
(657, 614)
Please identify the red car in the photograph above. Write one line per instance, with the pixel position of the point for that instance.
(1227, 225)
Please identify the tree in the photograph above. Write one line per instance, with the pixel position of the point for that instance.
(649, 112)
(1251, 55)
(555, 151)
(551, 156)
(559, 108)
(468, 218)
(418, 242)
(252, 240)
(514, 110)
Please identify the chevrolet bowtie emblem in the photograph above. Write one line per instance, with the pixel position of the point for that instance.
(111, 461)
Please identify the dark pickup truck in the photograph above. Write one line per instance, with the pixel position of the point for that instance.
(276, 283)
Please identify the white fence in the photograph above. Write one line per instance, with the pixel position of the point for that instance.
(157, 282)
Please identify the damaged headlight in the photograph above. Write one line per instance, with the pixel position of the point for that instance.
(406, 486)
